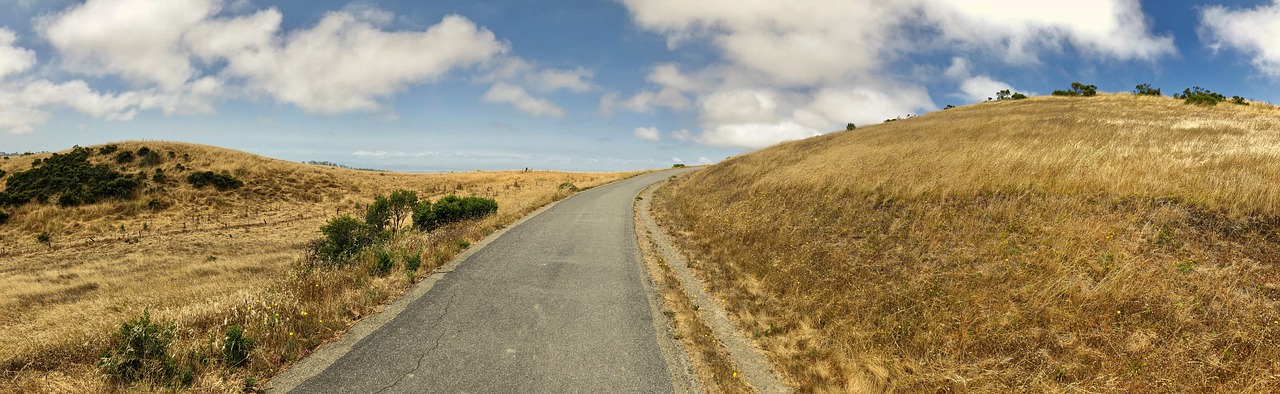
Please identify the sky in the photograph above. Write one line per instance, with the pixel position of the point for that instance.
(579, 85)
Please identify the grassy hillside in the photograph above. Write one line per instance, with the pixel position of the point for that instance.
(204, 259)
(1110, 243)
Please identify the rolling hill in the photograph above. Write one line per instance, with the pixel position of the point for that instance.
(1109, 243)
(204, 258)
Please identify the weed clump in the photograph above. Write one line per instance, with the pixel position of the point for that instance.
(221, 181)
(236, 347)
(140, 350)
(568, 186)
(383, 262)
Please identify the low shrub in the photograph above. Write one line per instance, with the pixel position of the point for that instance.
(1078, 89)
(678, 165)
(1238, 100)
(449, 209)
(148, 157)
(383, 261)
(236, 347)
(1200, 96)
(850, 127)
(1018, 96)
(159, 176)
(44, 238)
(69, 176)
(344, 236)
(378, 214)
(4, 217)
(412, 261)
(1146, 90)
(108, 149)
(140, 350)
(568, 186)
(124, 157)
(220, 181)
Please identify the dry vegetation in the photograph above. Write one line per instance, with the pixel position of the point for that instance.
(1112, 243)
(204, 259)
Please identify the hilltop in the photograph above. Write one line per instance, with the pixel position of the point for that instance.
(72, 269)
(1117, 242)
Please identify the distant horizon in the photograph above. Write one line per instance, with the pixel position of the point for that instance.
(579, 85)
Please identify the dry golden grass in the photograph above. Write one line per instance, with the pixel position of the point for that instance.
(211, 259)
(1113, 243)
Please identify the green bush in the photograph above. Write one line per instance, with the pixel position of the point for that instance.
(109, 149)
(159, 177)
(378, 215)
(412, 262)
(69, 176)
(148, 157)
(1018, 96)
(44, 238)
(344, 236)
(678, 165)
(236, 347)
(451, 209)
(140, 350)
(850, 127)
(383, 262)
(220, 181)
(568, 186)
(1238, 100)
(1146, 90)
(401, 204)
(1078, 89)
(124, 157)
(1199, 96)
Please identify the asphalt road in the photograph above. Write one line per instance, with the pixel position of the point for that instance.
(556, 304)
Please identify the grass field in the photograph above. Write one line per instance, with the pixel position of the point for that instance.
(204, 259)
(1100, 244)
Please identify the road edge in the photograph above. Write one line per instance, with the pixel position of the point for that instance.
(327, 354)
(755, 367)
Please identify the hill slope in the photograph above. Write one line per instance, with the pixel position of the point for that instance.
(197, 257)
(1048, 244)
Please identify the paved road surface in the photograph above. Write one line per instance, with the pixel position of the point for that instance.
(557, 304)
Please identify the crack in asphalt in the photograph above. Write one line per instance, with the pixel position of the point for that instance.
(424, 354)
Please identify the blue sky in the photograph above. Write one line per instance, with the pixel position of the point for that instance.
(578, 84)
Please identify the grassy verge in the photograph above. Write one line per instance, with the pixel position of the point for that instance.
(210, 260)
(1114, 243)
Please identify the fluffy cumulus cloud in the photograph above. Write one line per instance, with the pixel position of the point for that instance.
(790, 70)
(503, 93)
(1254, 31)
(185, 56)
(647, 133)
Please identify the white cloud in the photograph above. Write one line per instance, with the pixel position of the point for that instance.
(682, 135)
(551, 80)
(345, 62)
(705, 160)
(1253, 31)
(183, 57)
(13, 60)
(503, 93)
(790, 69)
(647, 133)
(974, 88)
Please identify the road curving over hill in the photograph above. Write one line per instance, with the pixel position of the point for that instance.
(556, 303)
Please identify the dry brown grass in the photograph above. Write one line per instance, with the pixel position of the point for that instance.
(1114, 243)
(211, 259)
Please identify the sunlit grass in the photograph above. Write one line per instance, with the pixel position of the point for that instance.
(1114, 243)
(210, 260)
